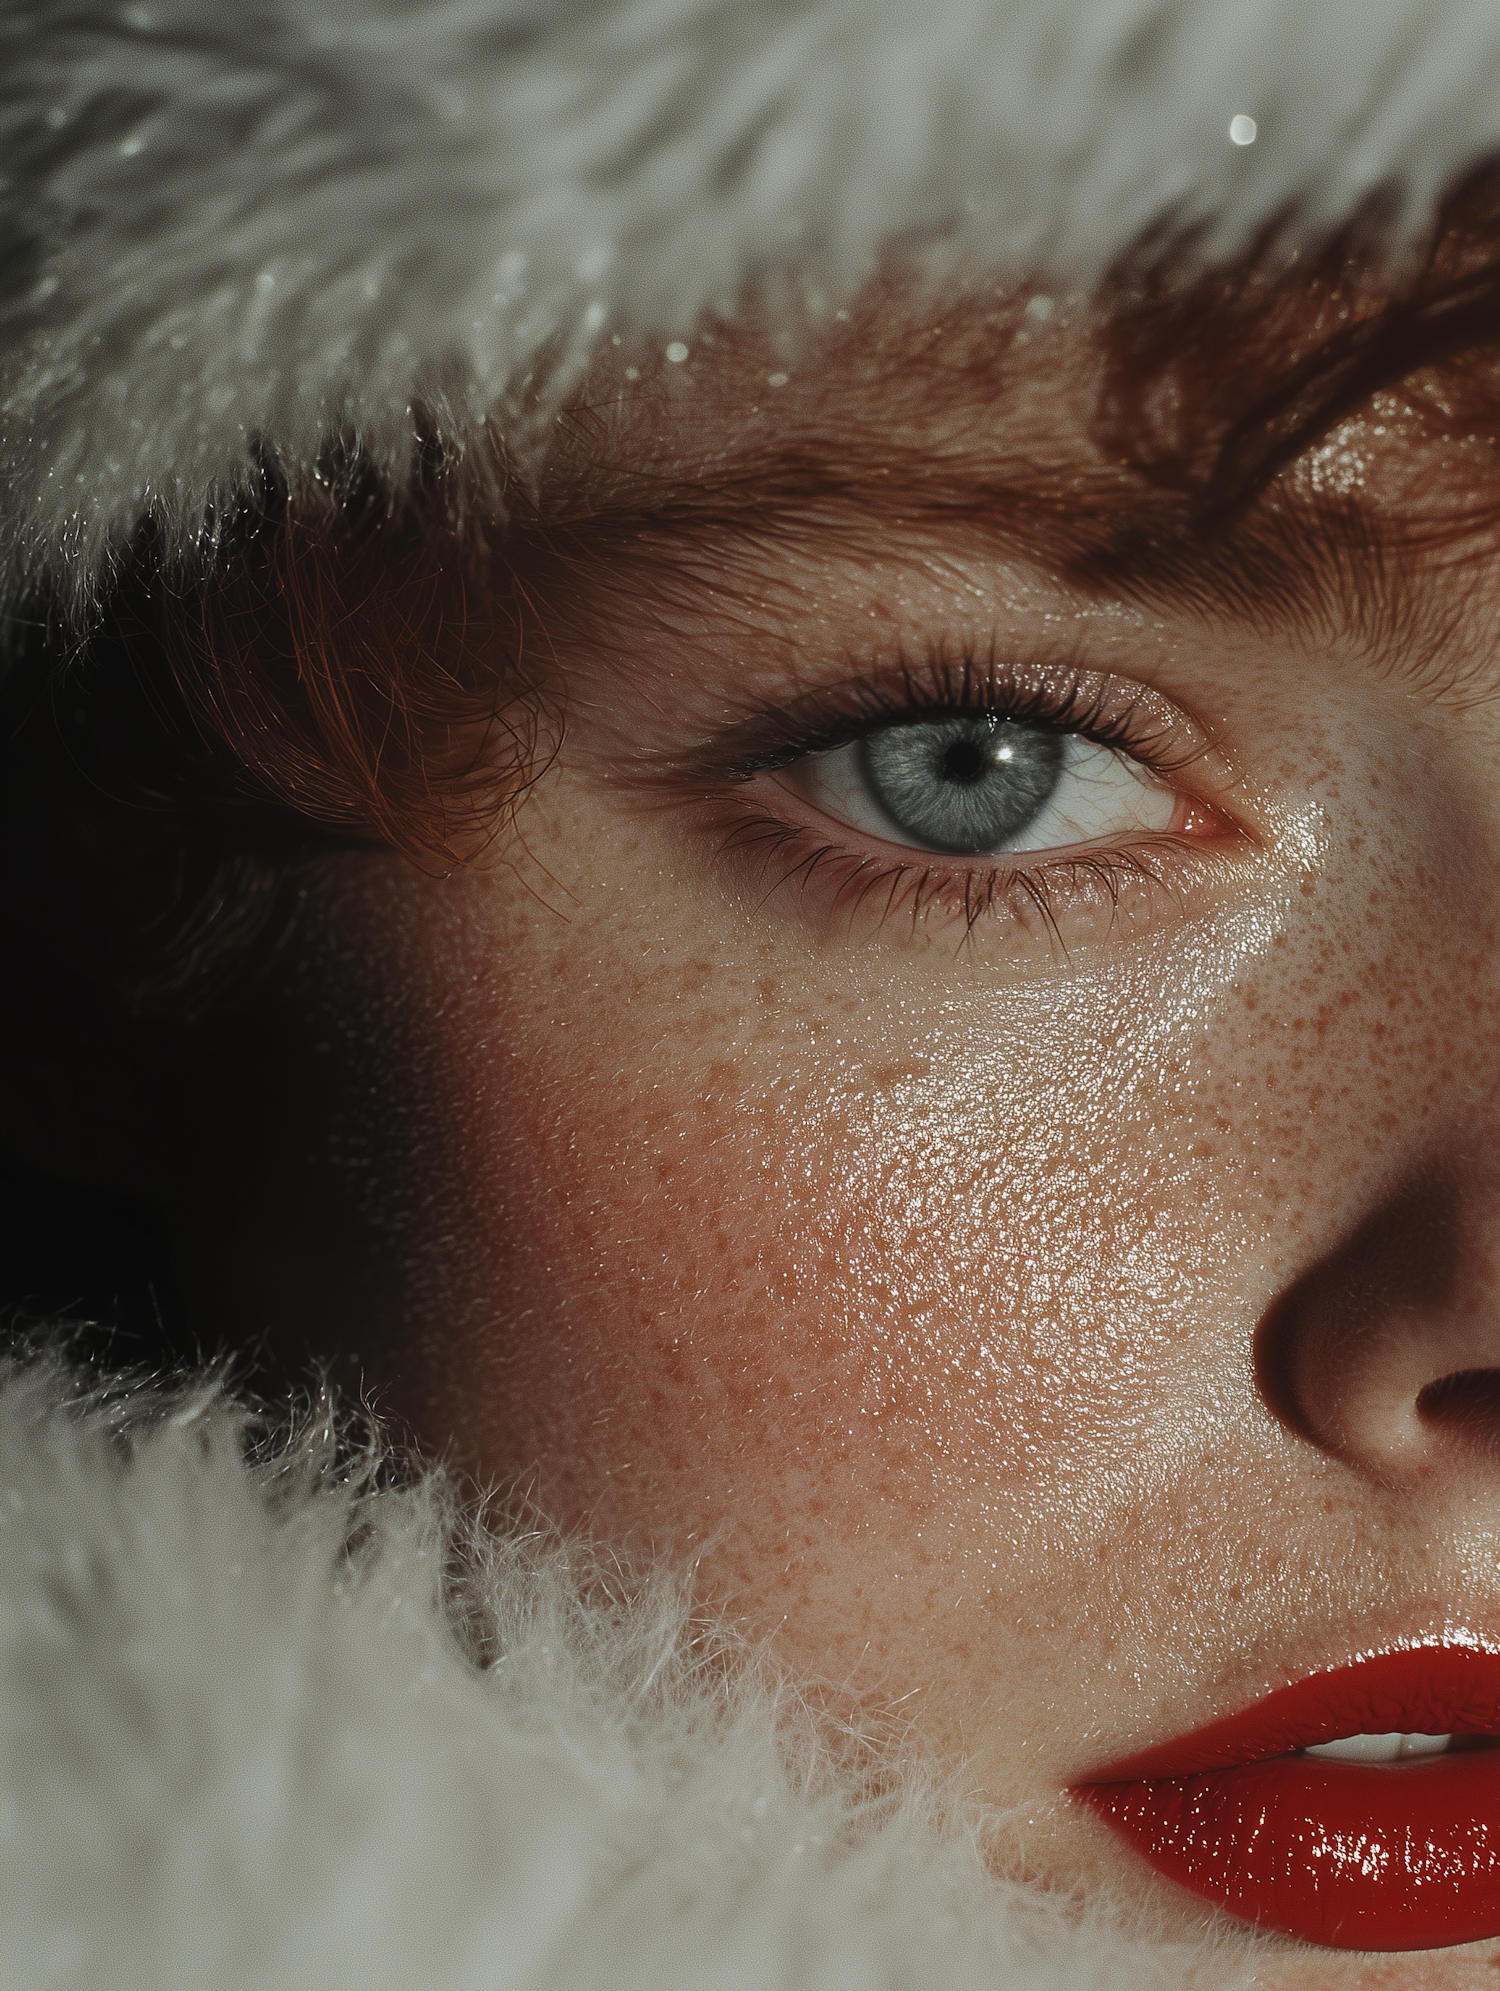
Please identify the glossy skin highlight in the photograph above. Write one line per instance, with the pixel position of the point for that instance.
(965, 1294)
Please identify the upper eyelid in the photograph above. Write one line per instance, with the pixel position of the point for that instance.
(1114, 711)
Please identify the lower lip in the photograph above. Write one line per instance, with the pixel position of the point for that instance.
(1364, 1856)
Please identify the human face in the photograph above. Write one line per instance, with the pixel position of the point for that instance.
(1012, 1279)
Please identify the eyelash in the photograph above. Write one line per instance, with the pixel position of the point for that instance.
(826, 720)
(1030, 895)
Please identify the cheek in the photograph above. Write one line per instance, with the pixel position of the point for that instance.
(734, 1244)
(873, 1274)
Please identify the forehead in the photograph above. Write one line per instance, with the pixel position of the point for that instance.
(895, 380)
(1188, 397)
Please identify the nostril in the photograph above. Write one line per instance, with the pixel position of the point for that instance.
(1386, 1352)
(1465, 1404)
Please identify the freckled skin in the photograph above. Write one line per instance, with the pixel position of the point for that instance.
(918, 1288)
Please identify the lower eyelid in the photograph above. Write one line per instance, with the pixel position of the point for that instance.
(856, 890)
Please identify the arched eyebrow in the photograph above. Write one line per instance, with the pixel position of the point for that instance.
(1310, 565)
(1172, 442)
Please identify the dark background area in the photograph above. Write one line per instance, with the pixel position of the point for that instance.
(72, 1258)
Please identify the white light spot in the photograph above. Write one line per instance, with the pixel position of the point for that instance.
(677, 352)
(632, 373)
(777, 379)
(131, 146)
(1039, 307)
(1242, 130)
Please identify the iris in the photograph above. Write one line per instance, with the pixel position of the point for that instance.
(966, 783)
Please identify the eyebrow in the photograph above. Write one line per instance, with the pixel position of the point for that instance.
(1307, 566)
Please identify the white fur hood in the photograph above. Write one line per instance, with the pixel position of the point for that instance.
(233, 235)
(272, 1719)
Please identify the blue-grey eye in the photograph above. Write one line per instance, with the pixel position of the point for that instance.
(976, 784)
(965, 784)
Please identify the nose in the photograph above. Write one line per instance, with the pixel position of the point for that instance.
(1386, 1352)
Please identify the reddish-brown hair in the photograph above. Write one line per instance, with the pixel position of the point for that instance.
(370, 679)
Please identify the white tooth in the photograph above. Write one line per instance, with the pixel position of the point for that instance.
(1425, 1745)
(1391, 1748)
(1359, 1748)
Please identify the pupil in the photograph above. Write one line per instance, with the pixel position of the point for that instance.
(965, 761)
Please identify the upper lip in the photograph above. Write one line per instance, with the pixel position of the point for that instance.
(1446, 1687)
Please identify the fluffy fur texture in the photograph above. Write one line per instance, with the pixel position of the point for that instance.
(273, 1719)
(234, 232)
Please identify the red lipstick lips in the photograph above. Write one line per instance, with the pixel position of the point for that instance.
(1399, 1855)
